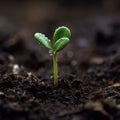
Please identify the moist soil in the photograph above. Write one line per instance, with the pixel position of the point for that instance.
(89, 81)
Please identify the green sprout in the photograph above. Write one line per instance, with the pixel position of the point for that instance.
(60, 40)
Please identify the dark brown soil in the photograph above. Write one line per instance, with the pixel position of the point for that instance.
(89, 80)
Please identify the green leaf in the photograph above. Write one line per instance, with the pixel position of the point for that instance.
(60, 44)
(61, 32)
(44, 41)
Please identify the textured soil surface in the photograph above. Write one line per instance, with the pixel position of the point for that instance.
(89, 79)
(89, 71)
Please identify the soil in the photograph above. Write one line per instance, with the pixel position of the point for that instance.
(89, 80)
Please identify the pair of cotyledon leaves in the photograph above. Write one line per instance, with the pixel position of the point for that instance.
(61, 39)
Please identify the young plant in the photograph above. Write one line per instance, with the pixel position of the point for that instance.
(61, 38)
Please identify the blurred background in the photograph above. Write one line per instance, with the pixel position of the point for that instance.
(87, 19)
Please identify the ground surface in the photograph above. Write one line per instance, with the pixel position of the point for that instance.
(89, 68)
(89, 80)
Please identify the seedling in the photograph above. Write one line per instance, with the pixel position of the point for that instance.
(60, 40)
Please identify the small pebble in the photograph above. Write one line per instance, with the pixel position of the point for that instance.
(11, 58)
(16, 69)
(97, 60)
(74, 63)
(29, 74)
(70, 54)
(1, 93)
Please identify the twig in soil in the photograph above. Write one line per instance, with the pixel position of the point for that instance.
(70, 112)
(109, 89)
(116, 85)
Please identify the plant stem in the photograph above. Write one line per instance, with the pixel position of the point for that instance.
(55, 70)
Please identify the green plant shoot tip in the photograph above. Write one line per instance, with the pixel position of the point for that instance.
(61, 39)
